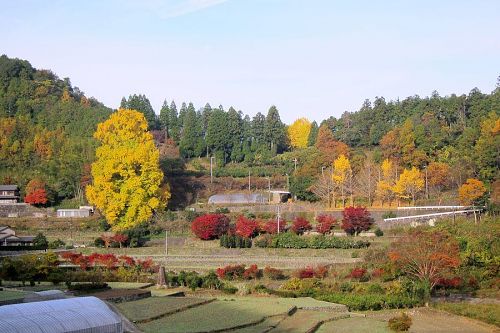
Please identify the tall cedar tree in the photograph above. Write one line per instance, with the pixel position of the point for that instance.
(141, 103)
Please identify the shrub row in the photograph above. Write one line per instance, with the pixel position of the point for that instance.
(235, 241)
(240, 272)
(86, 287)
(292, 241)
(370, 301)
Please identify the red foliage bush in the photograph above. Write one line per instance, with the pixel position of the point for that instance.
(378, 272)
(37, 197)
(325, 223)
(321, 272)
(453, 282)
(273, 273)
(252, 272)
(210, 226)
(301, 225)
(355, 220)
(357, 273)
(271, 226)
(246, 227)
(231, 272)
(305, 273)
(127, 261)
(108, 260)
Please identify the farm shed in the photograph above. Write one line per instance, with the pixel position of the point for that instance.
(73, 213)
(238, 198)
(75, 315)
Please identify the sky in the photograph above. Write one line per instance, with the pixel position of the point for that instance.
(310, 58)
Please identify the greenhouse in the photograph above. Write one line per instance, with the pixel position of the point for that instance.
(238, 198)
(75, 315)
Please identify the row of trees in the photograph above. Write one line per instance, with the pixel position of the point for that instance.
(229, 135)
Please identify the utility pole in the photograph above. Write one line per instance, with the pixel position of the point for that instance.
(278, 216)
(295, 163)
(211, 169)
(249, 180)
(322, 171)
(287, 181)
(426, 184)
(269, 187)
(166, 242)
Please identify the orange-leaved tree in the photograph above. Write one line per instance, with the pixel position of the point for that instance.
(471, 192)
(426, 256)
(36, 193)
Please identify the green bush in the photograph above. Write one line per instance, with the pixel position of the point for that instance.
(375, 288)
(364, 302)
(228, 289)
(98, 242)
(57, 244)
(400, 323)
(379, 232)
(235, 241)
(289, 240)
(40, 241)
(222, 210)
(389, 215)
(87, 287)
(263, 240)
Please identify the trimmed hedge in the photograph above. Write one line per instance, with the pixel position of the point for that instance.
(235, 241)
(370, 301)
(292, 241)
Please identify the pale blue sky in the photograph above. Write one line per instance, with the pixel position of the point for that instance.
(313, 58)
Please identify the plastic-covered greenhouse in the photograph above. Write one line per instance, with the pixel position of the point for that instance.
(238, 198)
(75, 315)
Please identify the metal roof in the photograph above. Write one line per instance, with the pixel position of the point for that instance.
(8, 188)
(77, 315)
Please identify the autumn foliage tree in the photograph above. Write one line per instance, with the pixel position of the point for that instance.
(426, 256)
(36, 193)
(210, 226)
(355, 220)
(410, 182)
(342, 174)
(471, 192)
(298, 132)
(126, 174)
(329, 147)
(246, 227)
(301, 225)
(386, 182)
(325, 223)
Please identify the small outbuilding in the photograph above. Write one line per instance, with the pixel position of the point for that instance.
(70, 315)
(238, 198)
(73, 212)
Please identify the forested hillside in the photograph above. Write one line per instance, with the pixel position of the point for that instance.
(46, 128)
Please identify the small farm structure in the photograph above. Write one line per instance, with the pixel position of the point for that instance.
(9, 194)
(83, 212)
(8, 238)
(75, 315)
(238, 198)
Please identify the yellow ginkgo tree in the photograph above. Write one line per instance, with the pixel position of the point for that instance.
(298, 132)
(410, 182)
(126, 174)
(342, 174)
(385, 190)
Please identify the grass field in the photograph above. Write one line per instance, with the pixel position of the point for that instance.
(153, 307)
(7, 295)
(358, 325)
(489, 313)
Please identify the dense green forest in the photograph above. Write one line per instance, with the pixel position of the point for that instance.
(46, 128)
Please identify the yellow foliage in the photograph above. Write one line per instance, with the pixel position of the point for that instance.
(387, 169)
(472, 190)
(298, 132)
(410, 182)
(126, 174)
(341, 169)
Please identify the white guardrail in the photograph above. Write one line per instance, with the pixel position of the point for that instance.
(423, 216)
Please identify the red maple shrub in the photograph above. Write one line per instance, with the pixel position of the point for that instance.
(37, 197)
(449, 283)
(301, 225)
(119, 238)
(355, 220)
(325, 223)
(305, 273)
(273, 273)
(321, 272)
(231, 272)
(357, 273)
(271, 226)
(378, 272)
(252, 272)
(246, 227)
(210, 226)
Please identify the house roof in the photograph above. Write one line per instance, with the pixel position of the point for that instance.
(8, 188)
